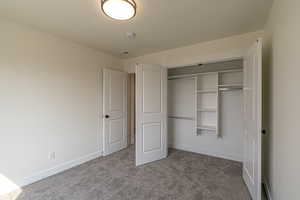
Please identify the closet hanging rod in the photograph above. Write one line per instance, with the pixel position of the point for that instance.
(202, 73)
(185, 118)
(230, 88)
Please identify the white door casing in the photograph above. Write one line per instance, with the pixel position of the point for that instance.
(253, 119)
(151, 113)
(114, 111)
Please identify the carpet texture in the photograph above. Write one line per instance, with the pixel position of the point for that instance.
(181, 176)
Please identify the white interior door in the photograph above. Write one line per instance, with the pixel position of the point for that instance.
(151, 113)
(253, 119)
(114, 110)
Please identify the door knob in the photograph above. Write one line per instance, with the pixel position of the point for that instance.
(264, 131)
(106, 116)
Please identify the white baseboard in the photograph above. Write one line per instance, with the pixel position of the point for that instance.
(267, 188)
(213, 154)
(59, 168)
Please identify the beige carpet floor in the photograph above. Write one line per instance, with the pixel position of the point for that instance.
(181, 176)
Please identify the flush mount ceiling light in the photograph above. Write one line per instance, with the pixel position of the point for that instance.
(119, 9)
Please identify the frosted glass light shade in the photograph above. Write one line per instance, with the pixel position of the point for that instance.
(119, 9)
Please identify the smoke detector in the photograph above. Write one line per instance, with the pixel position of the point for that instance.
(131, 35)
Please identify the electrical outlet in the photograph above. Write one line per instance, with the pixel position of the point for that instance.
(52, 155)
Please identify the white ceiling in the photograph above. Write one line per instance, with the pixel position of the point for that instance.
(159, 24)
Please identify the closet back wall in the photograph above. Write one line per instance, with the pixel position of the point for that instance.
(183, 133)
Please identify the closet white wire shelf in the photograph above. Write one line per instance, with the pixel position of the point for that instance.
(202, 73)
(230, 87)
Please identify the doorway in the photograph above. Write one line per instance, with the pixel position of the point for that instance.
(131, 108)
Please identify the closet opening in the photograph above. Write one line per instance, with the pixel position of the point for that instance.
(205, 109)
(213, 109)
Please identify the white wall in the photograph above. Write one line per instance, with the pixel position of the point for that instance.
(282, 97)
(231, 47)
(50, 100)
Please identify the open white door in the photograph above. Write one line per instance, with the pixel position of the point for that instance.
(114, 110)
(151, 113)
(253, 119)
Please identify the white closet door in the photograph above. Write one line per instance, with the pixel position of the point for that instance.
(253, 119)
(151, 115)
